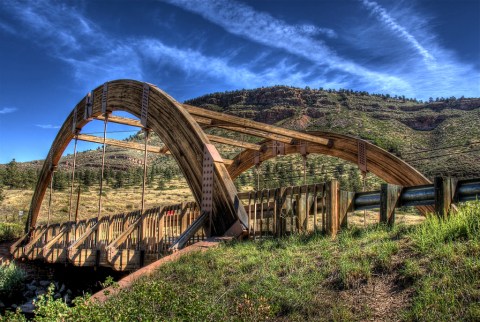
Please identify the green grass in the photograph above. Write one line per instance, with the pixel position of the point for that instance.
(437, 264)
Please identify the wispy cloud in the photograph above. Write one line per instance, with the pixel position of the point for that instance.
(194, 62)
(399, 30)
(263, 28)
(95, 55)
(430, 68)
(47, 126)
(76, 40)
(7, 110)
(433, 71)
(302, 52)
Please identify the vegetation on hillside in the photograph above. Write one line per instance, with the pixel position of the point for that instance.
(428, 272)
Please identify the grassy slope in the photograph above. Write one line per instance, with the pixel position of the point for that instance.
(427, 272)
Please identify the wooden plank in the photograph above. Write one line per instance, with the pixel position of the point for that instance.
(332, 207)
(344, 207)
(228, 141)
(389, 199)
(444, 192)
(123, 144)
(234, 120)
(120, 120)
(258, 133)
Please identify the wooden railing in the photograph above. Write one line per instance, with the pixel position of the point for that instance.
(129, 241)
(122, 241)
(284, 211)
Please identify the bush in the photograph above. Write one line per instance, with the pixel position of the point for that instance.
(11, 281)
(10, 231)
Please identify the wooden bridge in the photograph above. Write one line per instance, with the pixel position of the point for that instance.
(129, 241)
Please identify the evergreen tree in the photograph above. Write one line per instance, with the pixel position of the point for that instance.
(161, 184)
(119, 179)
(13, 177)
(2, 194)
(59, 181)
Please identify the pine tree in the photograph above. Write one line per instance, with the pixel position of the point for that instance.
(12, 175)
(161, 184)
(119, 180)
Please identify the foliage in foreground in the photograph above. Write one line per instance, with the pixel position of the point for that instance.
(303, 277)
(11, 281)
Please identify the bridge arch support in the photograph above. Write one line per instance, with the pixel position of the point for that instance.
(382, 163)
(181, 134)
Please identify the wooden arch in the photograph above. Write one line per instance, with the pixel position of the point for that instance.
(178, 130)
(180, 127)
(380, 162)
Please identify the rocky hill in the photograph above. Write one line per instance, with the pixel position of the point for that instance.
(440, 137)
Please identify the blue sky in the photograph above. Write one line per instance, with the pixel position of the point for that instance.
(52, 53)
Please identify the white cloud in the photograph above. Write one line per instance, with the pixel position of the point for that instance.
(47, 126)
(431, 71)
(263, 28)
(193, 62)
(7, 110)
(430, 68)
(399, 30)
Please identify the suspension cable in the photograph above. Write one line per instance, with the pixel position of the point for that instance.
(103, 166)
(73, 177)
(145, 155)
(50, 198)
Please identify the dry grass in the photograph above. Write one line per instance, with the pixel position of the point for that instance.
(114, 201)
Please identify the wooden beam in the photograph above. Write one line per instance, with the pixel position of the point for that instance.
(123, 144)
(227, 161)
(228, 141)
(260, 134)
(444, 192)
(202, 120)
(121, 120)
(332, 207)
(389, 197)
(234, 120)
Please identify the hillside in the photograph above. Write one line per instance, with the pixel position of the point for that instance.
(403, 126)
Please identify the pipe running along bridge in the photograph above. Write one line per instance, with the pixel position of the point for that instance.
(129, 241)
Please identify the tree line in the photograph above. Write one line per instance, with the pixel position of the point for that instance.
(14, 177)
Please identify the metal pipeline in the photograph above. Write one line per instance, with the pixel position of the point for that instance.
(367, 200)
(469, 190)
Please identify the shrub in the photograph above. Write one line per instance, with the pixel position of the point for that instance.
(10, 231)
(11, 280)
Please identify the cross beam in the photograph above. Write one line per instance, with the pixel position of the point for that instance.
(213, 138)
(246, 123)
(123, 144)
(132, 145)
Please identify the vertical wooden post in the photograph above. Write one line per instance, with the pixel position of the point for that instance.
(315, 205)
(332, 207)
(345, 205)
(444, 193)
(281, 196)
(389, 199)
